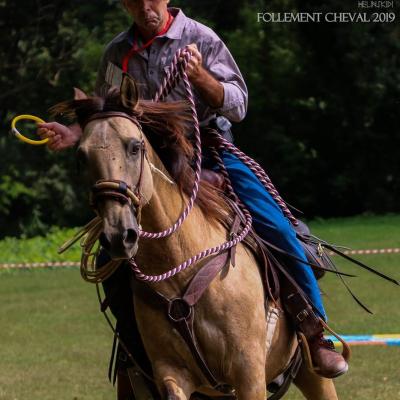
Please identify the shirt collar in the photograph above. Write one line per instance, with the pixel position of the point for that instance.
(178, 24)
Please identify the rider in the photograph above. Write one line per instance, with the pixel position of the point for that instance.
(145, 51)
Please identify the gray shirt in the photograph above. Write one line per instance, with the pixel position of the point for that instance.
(148, 67)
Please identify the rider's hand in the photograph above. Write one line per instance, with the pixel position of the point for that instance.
(60, 136)
(195, 66)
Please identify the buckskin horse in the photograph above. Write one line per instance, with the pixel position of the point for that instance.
(138, 158)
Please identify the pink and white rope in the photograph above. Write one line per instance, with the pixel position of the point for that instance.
(203, 254)
(172, 74)
(181, 59)
(176, 71)
(261, 175)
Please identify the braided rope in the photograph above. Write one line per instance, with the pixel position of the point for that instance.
(88, 237)
(261, 175)
(181, 60)
(172, 75)
(224, 172)
(183, 56)
(203, 254)
(92, 231)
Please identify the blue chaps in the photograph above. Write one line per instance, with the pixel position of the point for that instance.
(270, 223)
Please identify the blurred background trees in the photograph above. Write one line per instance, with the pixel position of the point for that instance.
(323, 111)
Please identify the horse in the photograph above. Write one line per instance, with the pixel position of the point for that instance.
(230, 320)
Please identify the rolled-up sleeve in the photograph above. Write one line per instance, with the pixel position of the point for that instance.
(220, 63)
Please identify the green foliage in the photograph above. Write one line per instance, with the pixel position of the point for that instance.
(323, 106)
(39, 248)
(46, 49)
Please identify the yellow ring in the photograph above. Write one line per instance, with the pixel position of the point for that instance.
(22, 137)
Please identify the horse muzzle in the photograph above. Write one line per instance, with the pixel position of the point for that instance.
(120, 240)
(117, 205)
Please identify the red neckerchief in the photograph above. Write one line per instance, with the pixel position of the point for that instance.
(135, 49)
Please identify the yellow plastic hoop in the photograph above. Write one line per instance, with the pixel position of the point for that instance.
(20, 136)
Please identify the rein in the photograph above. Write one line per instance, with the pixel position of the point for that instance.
(120, 191)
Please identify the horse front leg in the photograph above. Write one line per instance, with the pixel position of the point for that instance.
(173, 390)
(250, 379)
(173, 383)
(253, 390)
(313, 386)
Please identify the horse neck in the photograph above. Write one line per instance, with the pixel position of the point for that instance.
(157, 256)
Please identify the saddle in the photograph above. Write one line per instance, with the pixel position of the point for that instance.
(311, 245)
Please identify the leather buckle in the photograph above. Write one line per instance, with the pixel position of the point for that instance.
(179, 310)
(302, 315)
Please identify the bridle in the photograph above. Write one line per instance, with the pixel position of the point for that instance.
(120, 191)
(116, 189)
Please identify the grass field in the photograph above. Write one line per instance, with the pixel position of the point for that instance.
(55, 343)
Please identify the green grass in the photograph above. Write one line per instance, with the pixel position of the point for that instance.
(55, 343)
(374, 371)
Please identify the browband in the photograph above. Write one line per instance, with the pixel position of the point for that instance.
(108, 114)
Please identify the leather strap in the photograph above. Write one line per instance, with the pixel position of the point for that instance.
(271, 280)
(181, 314)
(108, 114)
(139, 385)
(199, 284)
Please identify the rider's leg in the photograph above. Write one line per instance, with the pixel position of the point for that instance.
(270, 223)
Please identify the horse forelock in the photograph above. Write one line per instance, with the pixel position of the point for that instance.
(167, 127)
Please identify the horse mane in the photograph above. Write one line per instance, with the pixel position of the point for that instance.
(167, 126)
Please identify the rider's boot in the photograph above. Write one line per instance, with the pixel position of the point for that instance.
(326, 361)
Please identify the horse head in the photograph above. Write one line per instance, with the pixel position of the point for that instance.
(118, 158)
(112, 151)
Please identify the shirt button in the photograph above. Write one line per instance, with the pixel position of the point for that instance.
(151, 72)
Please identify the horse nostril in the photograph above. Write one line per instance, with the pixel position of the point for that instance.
(104, 242)
(130, 236)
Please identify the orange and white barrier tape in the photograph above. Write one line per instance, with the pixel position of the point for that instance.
(370, 251)
(77, 264)
(38, 265)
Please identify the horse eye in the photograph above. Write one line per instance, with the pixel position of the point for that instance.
(133, 147)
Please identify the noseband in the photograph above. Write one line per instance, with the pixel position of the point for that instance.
(116, 189)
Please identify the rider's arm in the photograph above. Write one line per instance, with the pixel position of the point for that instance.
(219, 62)
(60, 136)
(210, 89)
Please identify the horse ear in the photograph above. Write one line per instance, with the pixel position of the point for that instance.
(79, 94)
(129, 92)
